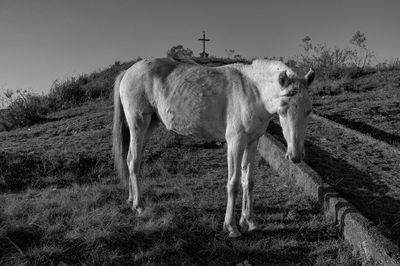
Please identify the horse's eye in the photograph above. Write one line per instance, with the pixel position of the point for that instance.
(291, 93)
(282, 112)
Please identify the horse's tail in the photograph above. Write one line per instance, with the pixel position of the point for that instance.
(120, 135)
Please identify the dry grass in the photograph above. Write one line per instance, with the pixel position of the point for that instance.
(51, 219)
(370, 105)
(182, 225)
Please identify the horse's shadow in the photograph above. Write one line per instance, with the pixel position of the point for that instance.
(363, 190)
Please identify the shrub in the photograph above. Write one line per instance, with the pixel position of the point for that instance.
(393, 64)
(179, 51)
(360, 56)
(335, 63)
(97, 89)
(68, 92)
(25, 108)
(329, 61)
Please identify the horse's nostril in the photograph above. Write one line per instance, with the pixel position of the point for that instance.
(296, 159)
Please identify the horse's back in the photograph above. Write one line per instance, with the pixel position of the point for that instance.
(189, 99)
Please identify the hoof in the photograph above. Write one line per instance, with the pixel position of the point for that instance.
(232, 230)
(137, 210)
(248, 225)
(234, 234)
(254, 227)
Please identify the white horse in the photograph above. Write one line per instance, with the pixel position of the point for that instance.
(233, 103)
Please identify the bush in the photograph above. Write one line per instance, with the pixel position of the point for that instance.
(336, 63)
(360, 56)
(77, 90)
(69, 92)
(393, 64)
(97, 89)
(328, 61)
(25, 108)
(179, 51)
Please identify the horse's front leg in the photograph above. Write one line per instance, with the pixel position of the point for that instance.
(247, 221)
(235, 152)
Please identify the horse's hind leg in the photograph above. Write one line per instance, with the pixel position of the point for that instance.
(139, 131)
(150, 128)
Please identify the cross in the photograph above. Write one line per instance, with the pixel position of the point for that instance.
(204, 41)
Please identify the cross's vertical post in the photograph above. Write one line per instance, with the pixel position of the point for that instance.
(204, 40)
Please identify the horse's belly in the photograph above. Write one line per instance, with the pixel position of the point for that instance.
(205, 131)
(197, 120)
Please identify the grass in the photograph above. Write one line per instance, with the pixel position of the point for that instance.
(71, 210)
(182, 225)
(74, 148)
(369, 104)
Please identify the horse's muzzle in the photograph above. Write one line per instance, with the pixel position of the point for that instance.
(296, 158)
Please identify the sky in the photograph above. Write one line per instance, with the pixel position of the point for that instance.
(45, 40)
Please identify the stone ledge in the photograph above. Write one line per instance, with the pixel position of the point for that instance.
(358, 231)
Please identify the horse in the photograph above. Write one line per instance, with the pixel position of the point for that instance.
(232, 103)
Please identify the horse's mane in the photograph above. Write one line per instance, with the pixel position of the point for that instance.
(263, 70)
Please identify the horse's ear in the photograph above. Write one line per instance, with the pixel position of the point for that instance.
(283, 79)
(310, 76)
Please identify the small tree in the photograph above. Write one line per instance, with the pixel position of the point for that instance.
(179, 51)
(361, 56)
(306, 58)
(306, 44)
(238, 57)
(326, 59)
(229, 52)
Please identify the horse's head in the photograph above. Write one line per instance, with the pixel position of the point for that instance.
(294, 109)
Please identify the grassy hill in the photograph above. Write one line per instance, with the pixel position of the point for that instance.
(61, 203)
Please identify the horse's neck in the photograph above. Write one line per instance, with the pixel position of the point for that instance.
(265, 83)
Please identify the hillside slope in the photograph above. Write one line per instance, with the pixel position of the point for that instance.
(59, 190)
(61, 203)
(369, 104)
